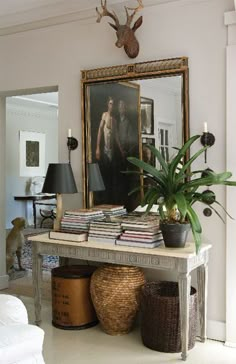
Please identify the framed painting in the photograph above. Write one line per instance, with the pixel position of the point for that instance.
(147, 155)
(32, 154)
(126, 82)
(147, 115)
(112, 133)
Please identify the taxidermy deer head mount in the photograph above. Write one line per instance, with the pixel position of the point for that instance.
(125, 34)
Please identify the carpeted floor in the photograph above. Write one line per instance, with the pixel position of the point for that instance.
(20, 282)
(49, 262)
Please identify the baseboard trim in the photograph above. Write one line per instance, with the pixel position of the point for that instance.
(216, 330)
(4, 282)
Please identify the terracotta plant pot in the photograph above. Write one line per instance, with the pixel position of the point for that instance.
(174, 235)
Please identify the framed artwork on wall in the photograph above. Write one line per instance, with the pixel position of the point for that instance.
(32, 154)
(147, 115)
(112, 133)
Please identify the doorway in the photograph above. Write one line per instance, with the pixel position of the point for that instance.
(31, 129)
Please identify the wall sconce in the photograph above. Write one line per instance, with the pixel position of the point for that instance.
(72, 143)
(209, 200)
(207, 140)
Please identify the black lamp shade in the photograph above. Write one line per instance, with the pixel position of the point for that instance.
(95, 178)
(59, 179)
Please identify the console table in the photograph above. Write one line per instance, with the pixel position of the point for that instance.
(183, 261)
(34, 199)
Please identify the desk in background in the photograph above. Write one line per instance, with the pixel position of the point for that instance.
(182, 261)
(35, 199)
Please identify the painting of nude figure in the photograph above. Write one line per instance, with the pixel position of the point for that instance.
(112, 115)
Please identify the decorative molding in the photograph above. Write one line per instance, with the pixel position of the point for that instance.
(230, 22)
(136, 69)
(216, 330)
(66, 12)
(230, 18)
(4, 282)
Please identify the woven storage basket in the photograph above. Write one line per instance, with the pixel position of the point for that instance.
(115, 292)
(160, 322)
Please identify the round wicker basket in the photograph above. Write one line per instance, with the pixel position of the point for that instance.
(160, 321)
(115, 292)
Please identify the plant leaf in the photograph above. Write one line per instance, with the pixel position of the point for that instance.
(181, 154)
(149, 169)
(159, 157)
(181, 203)
(190, 161)
(194, 219)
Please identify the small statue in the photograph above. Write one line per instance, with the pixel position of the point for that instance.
(14, 243)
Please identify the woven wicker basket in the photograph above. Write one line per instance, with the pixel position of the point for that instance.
(115, 292)
(160, 322)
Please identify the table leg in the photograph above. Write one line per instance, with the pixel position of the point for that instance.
(36, 273)
(184, 299)
(34, 213)
(202, 281)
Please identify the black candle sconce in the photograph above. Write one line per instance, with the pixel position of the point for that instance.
(209, 199)
(205, 173)
(207, 140)
(72, 144)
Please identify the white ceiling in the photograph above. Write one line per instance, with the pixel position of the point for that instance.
(21, 15)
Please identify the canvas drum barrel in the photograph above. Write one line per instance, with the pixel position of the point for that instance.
(72, 307)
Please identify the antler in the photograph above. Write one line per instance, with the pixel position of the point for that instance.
(105, 12)
(135, 10)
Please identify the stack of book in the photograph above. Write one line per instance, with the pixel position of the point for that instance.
(140, 231)
(111, 210)
(104, 231)
(76, 221)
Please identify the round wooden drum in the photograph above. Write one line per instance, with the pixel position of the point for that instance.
(72, 307)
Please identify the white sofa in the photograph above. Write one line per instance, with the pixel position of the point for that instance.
(20, 343)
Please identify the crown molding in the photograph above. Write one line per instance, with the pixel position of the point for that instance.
(230, 18)
(70, 11)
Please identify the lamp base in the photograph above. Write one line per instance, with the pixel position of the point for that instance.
(57, 221)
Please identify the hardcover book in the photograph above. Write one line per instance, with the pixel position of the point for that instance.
(62, 235)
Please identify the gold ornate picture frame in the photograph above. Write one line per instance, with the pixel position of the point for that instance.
(96, 87)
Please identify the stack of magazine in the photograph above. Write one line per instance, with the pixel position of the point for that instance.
(79, 220)
(104, 231)
(75, 225)
(140, 230)
(111, 210)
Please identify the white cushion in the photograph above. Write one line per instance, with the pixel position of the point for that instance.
(20, 343)
(12, 311)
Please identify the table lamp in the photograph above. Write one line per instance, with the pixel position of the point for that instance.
(59, 179)
(95, 180)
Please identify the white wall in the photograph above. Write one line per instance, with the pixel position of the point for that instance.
(3, 276)
(55, 56)
(26, 116)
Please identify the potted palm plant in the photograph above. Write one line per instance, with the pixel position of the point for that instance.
(175, 190)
